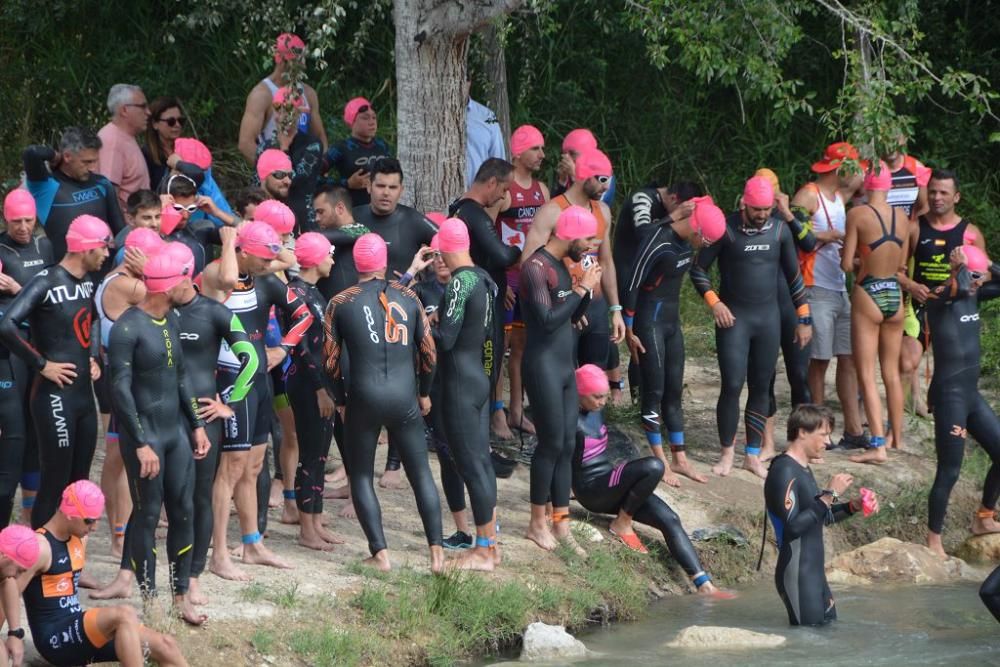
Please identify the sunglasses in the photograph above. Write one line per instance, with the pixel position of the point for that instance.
(603, 180)
(90, 522)
(190, 208)
(173, 122)
(144, 105)
(281, 175)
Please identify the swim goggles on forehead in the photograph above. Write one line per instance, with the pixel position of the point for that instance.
(173, 177)
(274, 248)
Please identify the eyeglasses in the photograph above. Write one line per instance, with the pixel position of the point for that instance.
(603, 180)
(173, 122)
(280, 174)
(190, 208)
(142, 105)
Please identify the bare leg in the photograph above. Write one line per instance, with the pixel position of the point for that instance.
(847, 394)
(935, 545)
(753, 464)
(890, 340)
(725, 464)
(817, 379)
(517, 418)
(984, 522)
(254, 553)
(669, 478)
(119, 589)
(682, 466)
(195, 594)
(232, 467)
(866, 320)
(289, 462)
(767, 444)
(538, 529)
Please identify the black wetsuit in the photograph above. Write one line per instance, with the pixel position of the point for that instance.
(18, 444)
(204, 325)
(959, 409)
(642, 214)
(549, 306)
(57, 620)
(989, 593)
(60, 198)
(466, 358)
(344, 273)
(384, 329)
(197, 236)
(305, 379)
(349, 155)
(749, 266)
(798, 516)
(931, 266)
(306, 153)
(58, 308)
(652, 306)
(152, 401)
(600, 486)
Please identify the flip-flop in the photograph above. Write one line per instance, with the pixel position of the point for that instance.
(631, 540)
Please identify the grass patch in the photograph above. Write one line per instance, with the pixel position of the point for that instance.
(262, 640)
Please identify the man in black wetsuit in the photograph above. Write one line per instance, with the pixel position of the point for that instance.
(404, 231)
(798, 512)
(954, 399)
(66, 185)
(466, 341)
(755, 247)
(349, 158)
(57, 305)
(332, 205)
(550, 304)
(152, 400)
(22, 256)
(383, 328)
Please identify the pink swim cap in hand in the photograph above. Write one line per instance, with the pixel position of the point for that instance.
(758, 192)
(276, 214)
(591, 380)
(311, 249)
(87, 232)
(272, 160)
(868, 501)
(526, 137)
(575, 223)
(146, 240)
(453, 236)
(880, 181)
(193, 151)
(370, 253)
(708, 219)
(20, 544)
(18, 204)
(579, 140)
(82, 500)
(170, 219)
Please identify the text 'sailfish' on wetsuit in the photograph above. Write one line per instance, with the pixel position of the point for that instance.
(305, 379)
(959, 409)
(798, 516)
(343, 274)
(153, 400)
(63, 633)
(652, 297)
(18, 444)
(204, 325)
(600, 486)
(385, 331)
(61, 198)
(549, 307)
(404, 231)
(57, 306)
(749, 265)
(466, 358)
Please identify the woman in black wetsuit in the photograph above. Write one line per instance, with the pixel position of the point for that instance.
(625, 489)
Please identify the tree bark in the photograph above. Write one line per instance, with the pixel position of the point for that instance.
(496, 79)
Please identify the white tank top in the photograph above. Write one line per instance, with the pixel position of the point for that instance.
(829, 215)
(271, 127)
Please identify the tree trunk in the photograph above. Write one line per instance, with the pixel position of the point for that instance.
(496, 78)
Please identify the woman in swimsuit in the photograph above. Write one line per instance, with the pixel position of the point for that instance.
(879, 243)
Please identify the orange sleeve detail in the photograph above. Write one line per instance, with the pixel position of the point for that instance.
(803, 310)
(711, 298)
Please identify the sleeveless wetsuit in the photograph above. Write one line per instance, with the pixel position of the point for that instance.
(931, 266)
(58, 307)
(384, 329)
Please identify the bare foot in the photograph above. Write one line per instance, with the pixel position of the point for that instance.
(753, 464)
(223, 567)
(258, 554)
(119, 589)
(682, 466)
(874, 455)
(87, 580)
(391, 479)
(289, 513)
(337, 492)
(985, 525)
(348, 511)
(521, 423)
(327, 536)
(187, 612)
(725, 464)
(542, 536)
(380, 561)
(276, 488)
(317, 544)
(195, 594)
(237, 551)
(479, 559)
(709, 590)
(934, 544)
(498, 424)
(437, 559)
(670, 479)
(337, 476)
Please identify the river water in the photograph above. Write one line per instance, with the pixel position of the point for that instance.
(914, 625)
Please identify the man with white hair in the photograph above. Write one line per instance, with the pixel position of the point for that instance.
(121, 158)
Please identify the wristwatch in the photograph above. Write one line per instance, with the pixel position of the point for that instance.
(19, 633)
(829, 492)
(808, 320)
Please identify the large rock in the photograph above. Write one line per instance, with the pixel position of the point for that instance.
(550, 642)
(980, 549)
(715, 637)
(889, 560)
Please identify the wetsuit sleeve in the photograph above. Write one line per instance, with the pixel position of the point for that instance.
(700, 278)
(331, 350)
(239, 343)
(186, 399)
(30, 296)
(494, 253)
(645, 260)
(332, 161)
(35, 160)
(343, 237)
(791, 501)
(642, 210)
(988, 291)
(452, 316)
(296, 314)
(801, 227)
(539, 300)
(426, 352)
(790, 267)
(311, 356)
(121, 347)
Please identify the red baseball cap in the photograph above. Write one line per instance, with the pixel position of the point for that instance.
(834, 156)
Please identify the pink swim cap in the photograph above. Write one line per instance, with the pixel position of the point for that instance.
(591, 380)
(708, 219)
(178, 252)
(86, 233)
(162, 272)
(436, 217)
(146, 240)
(453, 236)
(20, 544)
(370, 253)
(591, 163)
(270, 161)
(923, 175)
(170, 219)
(524, 138)
(285, 95)
(288, 47)
(276, 214)
(976, 259)
(82, 500)
(579, 140)
(575, 223)
(193, 151)
(353, 108)
(881, 181)
(311, 249)
(758, 192)
(435, 243)
(18, 204)
(258, 239)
